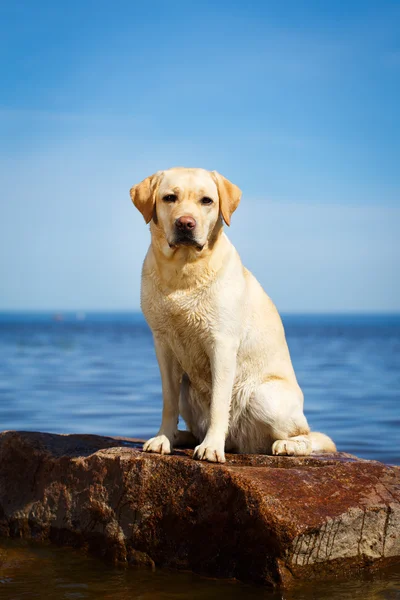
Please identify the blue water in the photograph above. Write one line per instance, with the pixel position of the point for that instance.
(97, 373)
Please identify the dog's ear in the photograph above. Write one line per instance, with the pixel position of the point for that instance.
(229, 196)
(143, 195)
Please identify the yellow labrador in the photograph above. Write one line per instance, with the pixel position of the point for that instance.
(220, 344)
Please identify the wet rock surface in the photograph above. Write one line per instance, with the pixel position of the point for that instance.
(264, 519)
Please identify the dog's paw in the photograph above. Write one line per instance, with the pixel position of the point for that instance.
(293, 447)
(210, 452)
(159, 444)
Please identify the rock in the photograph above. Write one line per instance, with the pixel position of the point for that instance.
(264, 519)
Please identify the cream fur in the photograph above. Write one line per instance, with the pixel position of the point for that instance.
(224, 362)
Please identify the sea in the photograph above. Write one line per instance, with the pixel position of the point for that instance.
(87, 372)
(97, 373)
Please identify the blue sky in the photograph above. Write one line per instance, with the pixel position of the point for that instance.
(296, 102)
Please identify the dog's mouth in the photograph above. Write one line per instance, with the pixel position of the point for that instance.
(186, 240)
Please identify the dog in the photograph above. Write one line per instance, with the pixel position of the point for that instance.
(220, 344)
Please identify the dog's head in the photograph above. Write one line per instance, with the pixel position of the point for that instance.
(186, 205)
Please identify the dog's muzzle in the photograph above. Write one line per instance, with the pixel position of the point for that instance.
(185, 233)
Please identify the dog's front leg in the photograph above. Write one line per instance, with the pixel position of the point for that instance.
(170, 379)
(223, 367)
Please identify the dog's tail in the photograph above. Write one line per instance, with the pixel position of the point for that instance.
(321, 442)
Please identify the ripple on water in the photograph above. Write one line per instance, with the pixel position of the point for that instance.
(101, 376)
(44, 572)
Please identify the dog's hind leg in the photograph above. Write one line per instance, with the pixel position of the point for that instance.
(189, 438)
(185, 439)
(302, 445)
(280, 407)
(299, 445)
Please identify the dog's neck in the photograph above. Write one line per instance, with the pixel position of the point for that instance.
(185, 267)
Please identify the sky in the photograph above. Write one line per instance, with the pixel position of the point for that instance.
(297, 102)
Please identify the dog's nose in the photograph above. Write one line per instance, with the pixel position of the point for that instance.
(185, 223)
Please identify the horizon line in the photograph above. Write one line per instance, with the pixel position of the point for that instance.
(138, 310)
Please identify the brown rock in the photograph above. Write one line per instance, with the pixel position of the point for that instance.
(264, 519)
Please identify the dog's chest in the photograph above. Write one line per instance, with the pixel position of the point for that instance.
(185, 321)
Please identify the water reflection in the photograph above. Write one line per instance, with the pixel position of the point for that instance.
(32, 571)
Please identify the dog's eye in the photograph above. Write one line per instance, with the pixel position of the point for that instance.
(206, 200)
(170, 198)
